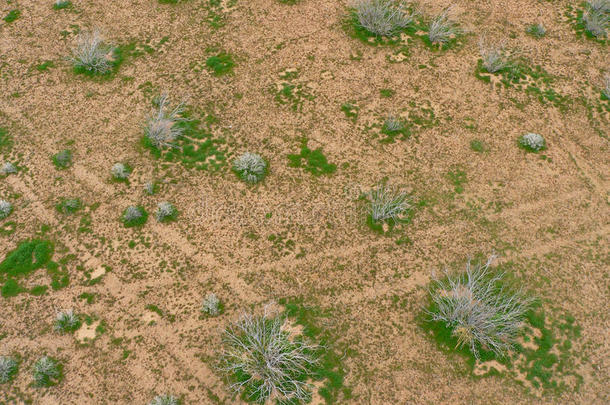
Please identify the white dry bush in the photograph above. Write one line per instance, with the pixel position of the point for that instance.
(8, 369)
(91, 54)
(119, 171)
(250, 167)
(596, 19)
(533, 141)
(493, 57)
(45, 370)
(66, 321)
(388, 203)
(383, 17)
(268, 362)
(5, 209)
(162, 127)
(441, 28)
(164, 400)
(165, 211)
(211, 305)
(606, 87)
(8, 168)
(479, 310)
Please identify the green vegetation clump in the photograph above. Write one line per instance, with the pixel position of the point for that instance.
(536, 30)
(478, 310)
(312, 161)
(220, 64)
(192, 146)
(250, 167)
(67, 321)
(134, 216)
(478, 146)
(69, 206)
(63, 159)
(5, 209)
(27, 257)
(264, 362)
(8, 369)
(532, 142)
(166, 212)
(12, 16)
(46, 372)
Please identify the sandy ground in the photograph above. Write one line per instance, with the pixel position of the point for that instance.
(550, 218)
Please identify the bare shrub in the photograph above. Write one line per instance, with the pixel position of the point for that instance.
(493, 56)
(388, 203)
(383, 17)
(479, 310)
(8, 369)
(264, 362)
(91, 55)
(251, 167)
(441, 28)
(5, 209)
(162, 126)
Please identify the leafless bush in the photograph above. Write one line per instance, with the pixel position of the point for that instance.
(442, 28)
(267, 360)
(388, 203)
(383, 17)
(162, 126)
(480, 312)
(91, 55)
(493, 56)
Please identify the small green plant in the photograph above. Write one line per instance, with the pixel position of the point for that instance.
(264, 362)
(8, 369)
(69, 206)
(67, 321)
(62, 4)
(479, 309)
(134, 216)
(211, 305)
(250, 167)
(92, 56)
(441, 29)
(536, 30)
(458, 178)
(388, 205)
(313, 161)
(351, 111)
(165, 399)
(5, 209)
(606, 87)
(8, 168)
(63, 159)
(220, 64)
(46, 372)
(382, 17)
(120, 172)
(166, 212)
(532, 142)
(162, 127)
(477, 146)
(12, 16)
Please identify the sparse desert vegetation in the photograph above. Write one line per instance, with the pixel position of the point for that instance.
(304, 202)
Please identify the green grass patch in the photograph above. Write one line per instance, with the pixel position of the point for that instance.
(62, 160)
(330, 367)
(12, 16)
(220, 64)
(197, 148)
(312, 161)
